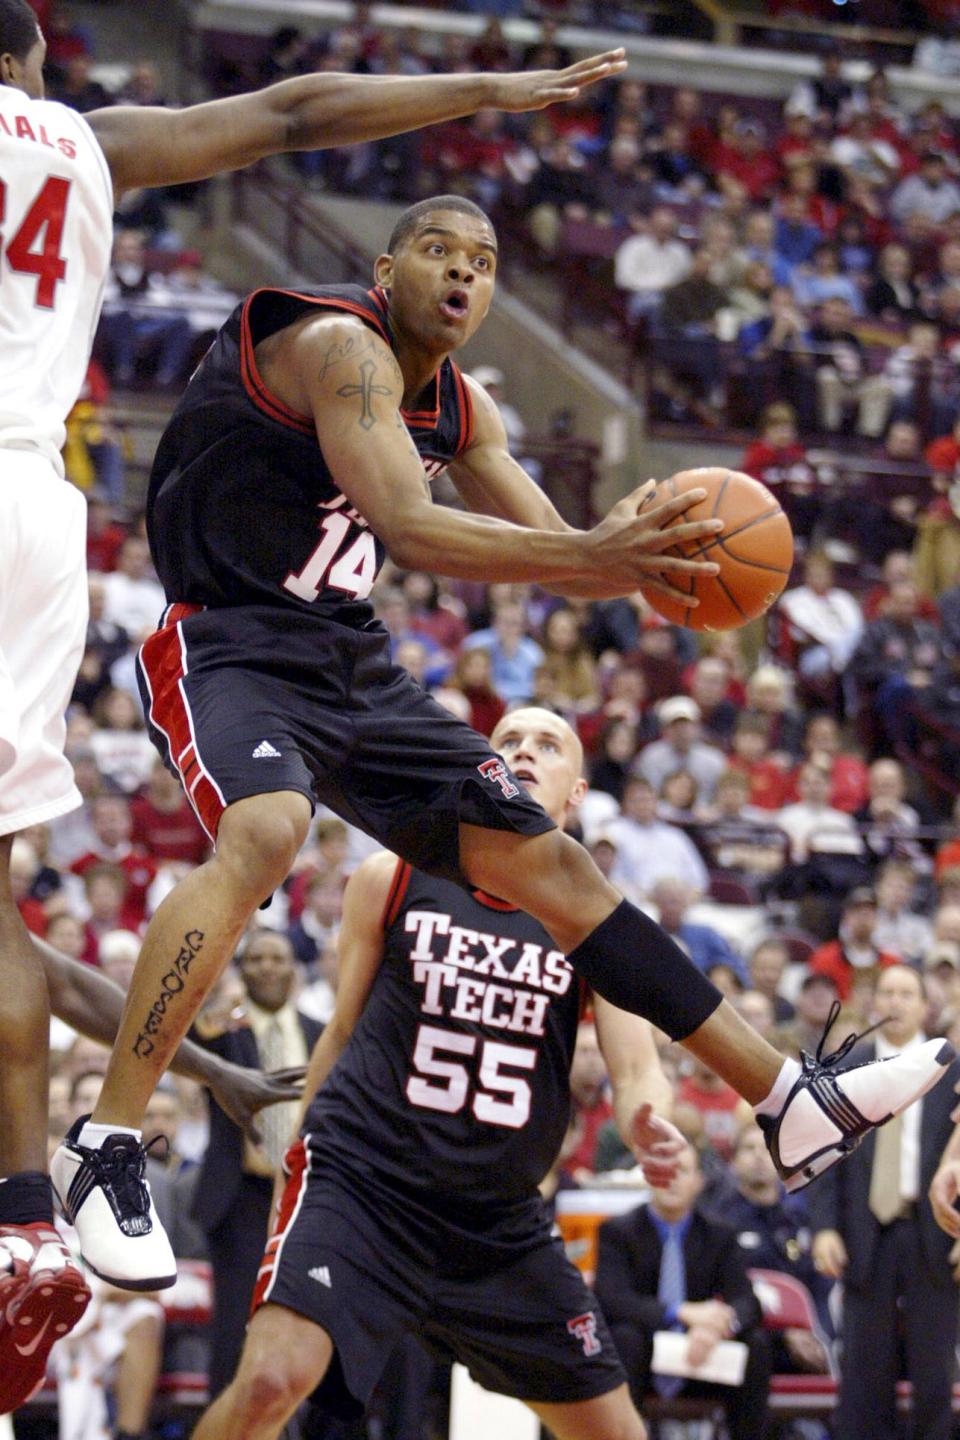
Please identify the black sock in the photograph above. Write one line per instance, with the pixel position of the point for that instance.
(26, 1199)
(634, 964)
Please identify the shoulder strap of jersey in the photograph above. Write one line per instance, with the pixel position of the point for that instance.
(291, 304)
(395, 895)
(465, 405)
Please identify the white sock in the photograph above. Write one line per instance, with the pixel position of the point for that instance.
(784, 1083)
(94, 1135)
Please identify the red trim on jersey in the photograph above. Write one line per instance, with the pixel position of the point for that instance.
(425, 419)
(492, 903)
(298, 1164)
(586, 1001)
(398, 888)
(378, 297)
(253, 382)
(163, 662)
(465, 400)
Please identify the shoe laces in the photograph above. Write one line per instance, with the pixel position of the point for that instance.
(819, 1061)
(121, 1166)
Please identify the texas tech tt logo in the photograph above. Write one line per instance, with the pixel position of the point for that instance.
(585, 1329)
(495, 771)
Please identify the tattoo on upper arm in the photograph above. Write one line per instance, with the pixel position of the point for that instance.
(350, 349)
(365, 388)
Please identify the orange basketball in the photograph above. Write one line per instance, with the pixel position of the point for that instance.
(754, 550)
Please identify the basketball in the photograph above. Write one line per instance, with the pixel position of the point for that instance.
(754, 550)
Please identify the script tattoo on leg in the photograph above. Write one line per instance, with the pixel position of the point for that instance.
(171, 985)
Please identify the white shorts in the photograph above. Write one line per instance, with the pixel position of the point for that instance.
(43, 624)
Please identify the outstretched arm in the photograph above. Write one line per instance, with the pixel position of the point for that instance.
(348, 378)
(92, 1004)
(146, 145)
(359, 952)
(490, 482)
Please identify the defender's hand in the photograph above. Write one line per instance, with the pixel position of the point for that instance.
(535, 89)
(829, 1254)
(944, 1193)
(656, 1144)
(241, 1092)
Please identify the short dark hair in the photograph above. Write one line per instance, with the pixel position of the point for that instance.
(407, 222)
(19, 28)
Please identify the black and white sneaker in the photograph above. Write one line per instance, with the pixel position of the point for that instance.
(830, 1109)
(103, 1193)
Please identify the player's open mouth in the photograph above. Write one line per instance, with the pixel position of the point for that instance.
(526, 777)
(455, 305)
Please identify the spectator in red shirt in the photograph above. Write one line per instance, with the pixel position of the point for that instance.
(472, 151)
(474, 676)
(795, 144)
(852, 960)
(898, 567)
(943, 457)
(779, 460)
(749, 161)
(751, 756)
(104, 535)
(108, 890)
(818, 209)
(113, 825)
(849, 777)
(432, 613)
(67, 934)
(685, 108)
(590, 1092)
(717, 1107)
(163, 824)
(948, 854)
(24, 865)
(491, 51)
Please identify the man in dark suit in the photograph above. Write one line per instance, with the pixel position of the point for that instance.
(233, 1193)
(875, 1230)
(665, 1266)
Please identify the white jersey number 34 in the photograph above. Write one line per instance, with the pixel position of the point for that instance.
(30, 244)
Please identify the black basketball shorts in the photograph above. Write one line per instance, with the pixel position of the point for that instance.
(368, 1266)
(246, 701)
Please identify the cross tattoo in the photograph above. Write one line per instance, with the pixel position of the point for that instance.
(365, 390)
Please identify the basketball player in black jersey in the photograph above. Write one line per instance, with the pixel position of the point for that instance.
(301, 451)
(442, 1094)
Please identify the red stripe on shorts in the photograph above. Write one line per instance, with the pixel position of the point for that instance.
(298, 1164)
(164, 664)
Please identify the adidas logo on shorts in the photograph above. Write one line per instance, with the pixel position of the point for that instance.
(265, 751)
(321, 1273)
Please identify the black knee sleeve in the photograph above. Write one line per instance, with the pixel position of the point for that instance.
(634, 964)
(26, 1199)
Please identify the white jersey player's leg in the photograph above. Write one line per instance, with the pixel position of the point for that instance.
(43, 617)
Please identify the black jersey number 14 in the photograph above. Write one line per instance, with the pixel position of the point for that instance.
(444, 1084)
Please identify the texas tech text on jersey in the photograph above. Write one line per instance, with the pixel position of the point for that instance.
(455, 1082)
